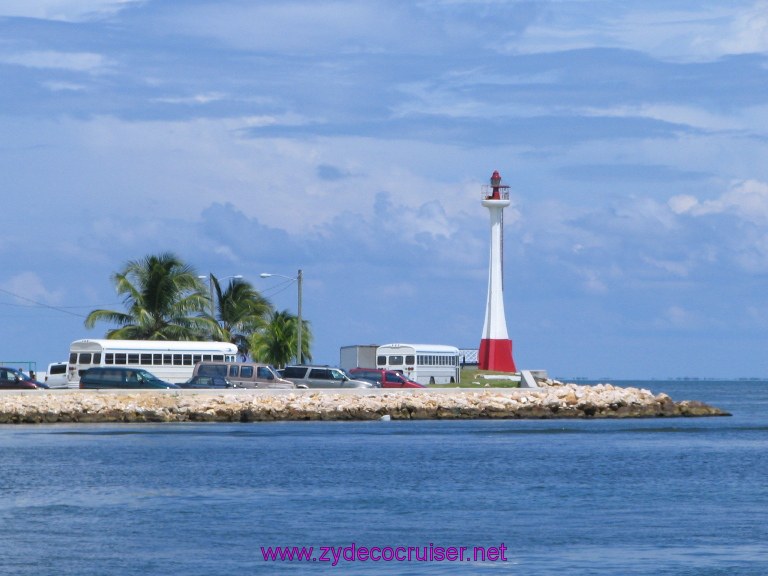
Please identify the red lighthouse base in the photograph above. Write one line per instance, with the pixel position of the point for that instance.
(496, 355)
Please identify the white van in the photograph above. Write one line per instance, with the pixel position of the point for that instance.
(56, 376)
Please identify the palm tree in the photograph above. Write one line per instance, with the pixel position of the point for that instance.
(276, 343)
(163, 298)
(240, 311)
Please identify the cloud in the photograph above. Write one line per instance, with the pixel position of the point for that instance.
(677, 317)
(72, 61)
(748, 200)
(696, 32)
(29, 289)
(297, 26)
(65, 10)
(748, 31)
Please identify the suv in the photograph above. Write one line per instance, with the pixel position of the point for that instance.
(243, 374)
(322, 377)
(121, 378)
(384, 378)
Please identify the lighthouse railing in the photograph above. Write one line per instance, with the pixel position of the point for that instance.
(489, 192)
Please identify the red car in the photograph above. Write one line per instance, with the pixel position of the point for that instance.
(12, 379)
(384, 378)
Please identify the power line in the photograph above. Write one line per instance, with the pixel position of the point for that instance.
(62, 309)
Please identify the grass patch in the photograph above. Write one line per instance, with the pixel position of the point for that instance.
(470, 378)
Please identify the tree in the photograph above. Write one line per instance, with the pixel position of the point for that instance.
(276, 344)
(164, 301)
(240, 312)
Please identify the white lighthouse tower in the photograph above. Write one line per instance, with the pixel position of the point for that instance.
(495, 347)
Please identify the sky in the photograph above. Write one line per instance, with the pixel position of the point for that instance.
(350, 139)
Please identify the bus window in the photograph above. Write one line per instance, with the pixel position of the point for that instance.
(157, 359)
(146, 359)
(411, 360)
(187, 359)
(133, 358)
(73, 357)
(120, 358)
(381, 360)
(85, 358)
(396, 360)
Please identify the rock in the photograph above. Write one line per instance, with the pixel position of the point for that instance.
(550, 401)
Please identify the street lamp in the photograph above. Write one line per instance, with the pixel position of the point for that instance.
(210, 289)
(298, 278)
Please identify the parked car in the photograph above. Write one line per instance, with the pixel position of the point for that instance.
(384, 378)
(322, 377)
(56, 376)
(12, 379)
(120, 377)
(208, 382)
(243, 374)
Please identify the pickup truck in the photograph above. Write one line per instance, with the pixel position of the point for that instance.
(384, 378)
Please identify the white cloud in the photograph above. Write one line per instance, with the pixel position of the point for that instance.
(74, 61)
(202, 98)
(30, 289)
(688, 115)
(182, 167)
(748, 200)
(673, 267)
(300, 26)
(748, 31)
(682, 203)
(676, 317)
(701, 32)
(64, 10)
(64, 86)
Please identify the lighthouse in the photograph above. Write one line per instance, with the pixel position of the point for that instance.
(495, 347)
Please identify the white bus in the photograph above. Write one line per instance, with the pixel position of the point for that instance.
(168, 360)
(425, 363)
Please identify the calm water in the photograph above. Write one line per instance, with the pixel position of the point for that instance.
(640, 497)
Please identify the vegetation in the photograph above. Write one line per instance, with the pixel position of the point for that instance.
(278, 340)
(472, 378)
(240, 312)
(165, 300)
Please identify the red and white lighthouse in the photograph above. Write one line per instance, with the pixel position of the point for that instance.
(495, 347)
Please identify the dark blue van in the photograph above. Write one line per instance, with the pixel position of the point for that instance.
(114, 377)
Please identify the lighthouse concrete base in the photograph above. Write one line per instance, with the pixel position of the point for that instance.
(496, 355)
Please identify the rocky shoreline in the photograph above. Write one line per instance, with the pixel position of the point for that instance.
(552, 400)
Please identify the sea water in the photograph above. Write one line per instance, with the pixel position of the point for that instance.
(537, 497)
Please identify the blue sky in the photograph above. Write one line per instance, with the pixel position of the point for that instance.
(350, 139)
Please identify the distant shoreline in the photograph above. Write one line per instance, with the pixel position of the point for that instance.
(237, 405)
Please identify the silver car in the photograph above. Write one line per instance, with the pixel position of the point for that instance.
(322, 377)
